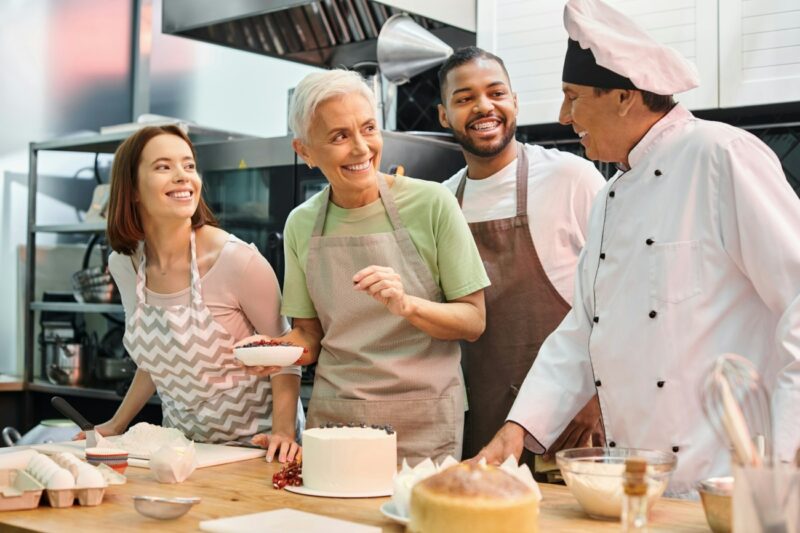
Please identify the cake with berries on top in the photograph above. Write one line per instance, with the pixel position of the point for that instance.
(350, 458)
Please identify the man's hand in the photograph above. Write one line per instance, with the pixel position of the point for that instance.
(585, 430)
(509, 440)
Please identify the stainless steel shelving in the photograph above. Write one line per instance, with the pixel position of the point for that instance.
(77, 307)
(71, 228)
(40, 385)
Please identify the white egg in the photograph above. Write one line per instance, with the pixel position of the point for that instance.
(89, 478)
(60, 480)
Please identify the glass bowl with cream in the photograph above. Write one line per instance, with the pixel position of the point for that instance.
(595, 477)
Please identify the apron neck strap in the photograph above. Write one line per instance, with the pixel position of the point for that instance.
(522, 182)
(195, 279)
(388, 203)
(385, 196)
(141, 276)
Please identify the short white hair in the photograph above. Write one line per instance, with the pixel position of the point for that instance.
(319, 87)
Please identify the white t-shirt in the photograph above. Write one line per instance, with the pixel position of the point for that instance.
(561, 187)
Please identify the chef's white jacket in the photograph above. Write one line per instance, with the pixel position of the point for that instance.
(693, 252)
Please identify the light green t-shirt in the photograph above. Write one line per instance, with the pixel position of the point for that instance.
(430, 213)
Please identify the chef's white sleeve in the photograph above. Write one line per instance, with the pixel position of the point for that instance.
(760, 225)
(560, 382)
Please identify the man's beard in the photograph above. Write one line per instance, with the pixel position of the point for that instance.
(490, 151)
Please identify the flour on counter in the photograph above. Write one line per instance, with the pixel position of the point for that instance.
(144, 439)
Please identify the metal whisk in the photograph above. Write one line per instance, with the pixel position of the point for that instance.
(736, 403)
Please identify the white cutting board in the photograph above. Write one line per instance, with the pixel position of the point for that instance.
(207, 454)
(281, 520)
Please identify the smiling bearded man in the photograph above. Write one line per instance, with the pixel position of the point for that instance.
(527, 208)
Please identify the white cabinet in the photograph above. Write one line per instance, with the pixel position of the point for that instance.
(529, 36)
(458, 13)
(759, 52)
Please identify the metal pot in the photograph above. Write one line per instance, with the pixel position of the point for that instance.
(65, 362)
(52, 430)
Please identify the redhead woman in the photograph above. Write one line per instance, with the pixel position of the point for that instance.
(190, 292)
(383, 278)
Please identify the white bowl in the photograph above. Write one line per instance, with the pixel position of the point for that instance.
(268, 355)
(594, 476)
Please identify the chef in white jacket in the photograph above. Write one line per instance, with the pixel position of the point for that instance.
(693, 250)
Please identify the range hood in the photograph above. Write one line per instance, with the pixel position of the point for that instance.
(323, 33)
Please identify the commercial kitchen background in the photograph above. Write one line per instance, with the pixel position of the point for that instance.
(72, 66)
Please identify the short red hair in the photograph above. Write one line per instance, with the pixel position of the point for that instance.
(124, 228)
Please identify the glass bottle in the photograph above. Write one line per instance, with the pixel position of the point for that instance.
(634, 499)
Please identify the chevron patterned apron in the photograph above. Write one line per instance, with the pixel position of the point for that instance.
(189, 357)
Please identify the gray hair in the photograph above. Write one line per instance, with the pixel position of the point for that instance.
(318, 87)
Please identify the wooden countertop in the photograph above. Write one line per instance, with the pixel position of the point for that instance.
(246, 487)
(11, 383)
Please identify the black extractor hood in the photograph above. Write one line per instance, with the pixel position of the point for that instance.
(323, 33)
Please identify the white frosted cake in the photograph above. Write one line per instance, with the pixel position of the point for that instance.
(350, 460)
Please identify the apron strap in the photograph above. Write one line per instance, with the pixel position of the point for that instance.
(319, 223)
(195, 279)
(460, 189)
(388, 203)
(140, 275)
(522, 182)
(385, 196)
(141, 278)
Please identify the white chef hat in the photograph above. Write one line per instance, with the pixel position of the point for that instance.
(607, 49)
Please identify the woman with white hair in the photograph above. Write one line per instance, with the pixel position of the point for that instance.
(382, 278)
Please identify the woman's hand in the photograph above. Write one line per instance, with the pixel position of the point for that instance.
(385, 285)
(260, 371)
(106, 429)
(285, 445)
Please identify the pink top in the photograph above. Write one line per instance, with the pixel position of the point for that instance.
(240, 289)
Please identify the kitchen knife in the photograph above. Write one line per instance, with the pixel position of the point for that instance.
(63, 407)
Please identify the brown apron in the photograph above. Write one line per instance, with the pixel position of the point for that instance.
(522, 309)
(375, 367)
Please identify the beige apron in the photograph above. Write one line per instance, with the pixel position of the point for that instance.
(522, 308)
(375, 367)
(189, 357)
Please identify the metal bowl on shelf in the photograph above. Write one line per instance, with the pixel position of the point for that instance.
(163, 508)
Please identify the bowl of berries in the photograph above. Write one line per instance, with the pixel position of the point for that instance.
(267, 352)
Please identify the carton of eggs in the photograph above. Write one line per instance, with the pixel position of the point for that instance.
(49, 474)
(65, 478)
